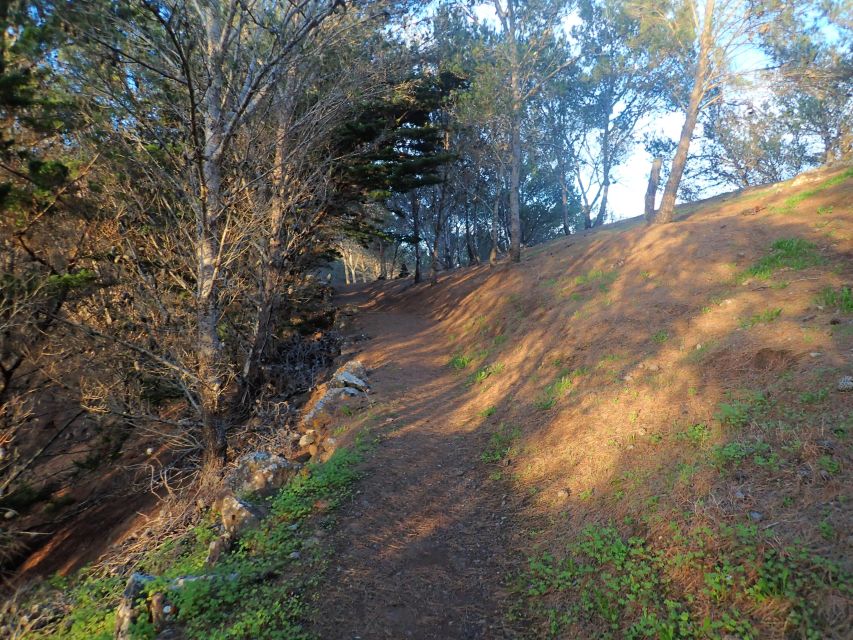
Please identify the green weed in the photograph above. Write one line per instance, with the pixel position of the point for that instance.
(697, 434)
(460, 361)
(738, 411)
(765, 317)
(253, 592)
(565, 381)
(501, 443)
(814, 397)
(597, 275)
(488, 412)
(483, 373)
(792, 201)
(661, 336)
(787, 253)
(841, 299)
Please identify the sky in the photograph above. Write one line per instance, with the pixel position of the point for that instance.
(630, 179)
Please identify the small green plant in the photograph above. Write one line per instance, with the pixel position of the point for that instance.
(841, 299)
(545, 402)
(488, 412)
(483, 373)
(814, 397)
(787, 253)
(824, 211)
(501, 443)
(460, 361)
(597, 275)
(738, 411)
(661, 336)
(829, 464)
(564, 383)
(827, 531)
(765, 317)
(696, 434)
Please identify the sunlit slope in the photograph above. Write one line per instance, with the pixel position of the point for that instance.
(677, 387)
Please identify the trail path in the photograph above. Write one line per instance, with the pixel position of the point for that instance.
(417, 554)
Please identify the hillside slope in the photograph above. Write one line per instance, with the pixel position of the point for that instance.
(652, 414)
(638, 432)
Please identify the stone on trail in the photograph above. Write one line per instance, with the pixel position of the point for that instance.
(348, 380)
(237, 515)
(131, 606)
(261, 473)
(846, 383)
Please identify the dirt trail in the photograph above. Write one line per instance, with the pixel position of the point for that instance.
(417, 554)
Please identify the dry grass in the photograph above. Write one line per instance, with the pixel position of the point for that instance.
(653, 317)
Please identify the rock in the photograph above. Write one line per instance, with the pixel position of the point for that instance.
(159, 611)
(307, 439)
(313, 450)
(826, 445)
(322, 414)
(130, 606)
(740, 495)
(356, 368)
(294, 555)
(216, 548)
(346, 379)
(846, 383)
(563, 494)
(237, 515)
(302, 457)
(756, 516)
(261, 473)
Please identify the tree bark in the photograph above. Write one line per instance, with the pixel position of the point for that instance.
(652, 190)
(493, 254)
(697, 93)
(417, 236)
(564, 199)
(473, 258)
(514, 186)
(605, 166)
(508, 18)
(209, 346)
(383, 270)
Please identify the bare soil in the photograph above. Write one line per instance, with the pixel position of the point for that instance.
(648, 332)
(421, 550)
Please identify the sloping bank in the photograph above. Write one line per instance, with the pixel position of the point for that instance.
(242, 571)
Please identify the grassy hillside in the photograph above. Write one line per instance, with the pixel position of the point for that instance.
(655, 422)
(665, 410)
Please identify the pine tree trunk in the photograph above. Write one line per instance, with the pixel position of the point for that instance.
(417, 237)
(606, 159)
(667, 206)
(209, 347)
(473, 258)
(514, 186)
(383, 269)
(564, 201)
(493, 254)
(652, 189)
